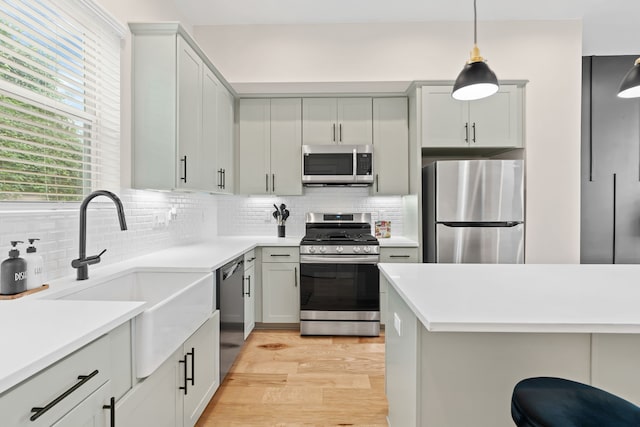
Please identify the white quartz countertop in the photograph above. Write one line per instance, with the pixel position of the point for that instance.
(39, 330)
(36, 333)
(520, 298)
(398, 242)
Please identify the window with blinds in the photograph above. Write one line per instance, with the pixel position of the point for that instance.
(59, 100)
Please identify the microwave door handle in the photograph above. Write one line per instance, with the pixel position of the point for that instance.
(355, 165)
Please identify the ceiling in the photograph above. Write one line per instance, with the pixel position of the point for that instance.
(608, 25)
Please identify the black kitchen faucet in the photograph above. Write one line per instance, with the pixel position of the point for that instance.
(83, 261)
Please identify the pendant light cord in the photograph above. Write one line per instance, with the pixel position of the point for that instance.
(475, 24)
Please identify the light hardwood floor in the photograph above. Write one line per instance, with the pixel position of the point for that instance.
(285, 380)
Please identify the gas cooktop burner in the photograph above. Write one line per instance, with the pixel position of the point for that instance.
(339, 234)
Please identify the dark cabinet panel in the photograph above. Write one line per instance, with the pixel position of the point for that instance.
(610, 206)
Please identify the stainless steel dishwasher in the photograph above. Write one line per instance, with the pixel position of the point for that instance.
(230, 302)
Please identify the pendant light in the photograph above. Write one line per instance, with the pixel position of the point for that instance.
(476, 80)
(630, 86)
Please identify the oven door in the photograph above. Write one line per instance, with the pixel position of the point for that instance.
(341, 283)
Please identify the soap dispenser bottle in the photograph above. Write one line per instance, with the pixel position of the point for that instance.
(13, 272)
(35, 267)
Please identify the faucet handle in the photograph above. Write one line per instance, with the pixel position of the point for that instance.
(94, 259)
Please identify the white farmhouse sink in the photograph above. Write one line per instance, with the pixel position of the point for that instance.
(177, 304)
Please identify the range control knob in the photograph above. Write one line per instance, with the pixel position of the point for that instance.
(339, 249)
(356, 249)
(323, 249)
(367, 249)
(312, 249)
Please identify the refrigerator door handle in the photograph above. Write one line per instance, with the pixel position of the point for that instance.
(481, 224)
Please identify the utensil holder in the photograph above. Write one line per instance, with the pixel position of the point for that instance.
(281, 231)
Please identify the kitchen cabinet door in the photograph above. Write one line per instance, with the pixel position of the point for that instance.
(270, 146)
(225, 141)
(255, 146)
(337, 121)
(444, 119)
(355, 121)
(156, 401)
(319, 117)
(210, 126)
(496, 121)
(249, 299)
(286, 146)
(190, 159)
(391, 145)
(201, 359)
(280, 292)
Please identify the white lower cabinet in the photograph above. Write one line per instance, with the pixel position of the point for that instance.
(280, 285)
(178, 391)
(200, 363)
(249, 292)
(54, 392)
(396, 255)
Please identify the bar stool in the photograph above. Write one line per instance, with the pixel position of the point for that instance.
(556, 402)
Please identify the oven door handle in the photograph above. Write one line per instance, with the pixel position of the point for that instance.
(339, 259)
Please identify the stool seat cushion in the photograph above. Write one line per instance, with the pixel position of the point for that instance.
(557, 402)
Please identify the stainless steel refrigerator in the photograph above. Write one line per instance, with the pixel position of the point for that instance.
(473, 211)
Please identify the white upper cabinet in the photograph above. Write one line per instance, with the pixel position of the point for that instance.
(391, 146)
(270, 146)
(182, 114)
(337, 121)
(492, 122)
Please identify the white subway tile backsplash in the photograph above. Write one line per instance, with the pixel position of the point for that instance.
(158, 220)
(58, 227)
(251, 215)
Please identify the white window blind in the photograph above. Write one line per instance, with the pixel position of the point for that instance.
(59, 100)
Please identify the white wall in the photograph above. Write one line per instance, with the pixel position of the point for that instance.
(548, 54)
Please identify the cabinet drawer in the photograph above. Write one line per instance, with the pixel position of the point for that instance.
(60, 383)
(398, 254)
(281, 254)
(249, 259)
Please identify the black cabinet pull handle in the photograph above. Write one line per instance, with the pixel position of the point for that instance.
(184, 161)
(377, 184)
(112, 411)
(295, 276)
(266, 182)
(224, 178)
(193, 366)
(220, 178)
(184, 362)
(340, 132)
(466, 132)
(400, 256)
(39, 411)
(334, 132)
(248, 279)
(273, 182)
(280, 254)
(474, 131)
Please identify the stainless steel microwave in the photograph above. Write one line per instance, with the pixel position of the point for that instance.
(337, 165)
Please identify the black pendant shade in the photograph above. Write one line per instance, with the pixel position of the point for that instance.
(630, 86)
(475, 81)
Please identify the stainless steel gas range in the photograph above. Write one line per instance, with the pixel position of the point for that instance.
(339, 278)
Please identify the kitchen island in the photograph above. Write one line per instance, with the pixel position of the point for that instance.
(460, 336)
